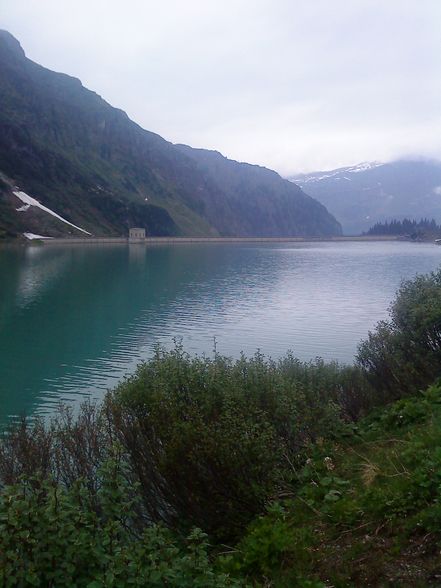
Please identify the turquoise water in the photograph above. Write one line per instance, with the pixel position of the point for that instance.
(76, 319)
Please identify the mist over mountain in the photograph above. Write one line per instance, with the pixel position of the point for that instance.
(363, 195)
(73, 154)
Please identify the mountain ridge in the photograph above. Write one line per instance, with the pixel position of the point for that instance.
(375, 192)
(87, 161)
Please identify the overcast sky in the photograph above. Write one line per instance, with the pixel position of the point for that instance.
(295, 85)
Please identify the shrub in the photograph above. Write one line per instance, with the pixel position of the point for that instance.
(53, 537)
(271, 543)
(211, 440)
(65, 448)
(404, 354)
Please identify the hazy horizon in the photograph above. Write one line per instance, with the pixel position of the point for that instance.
(296, 88)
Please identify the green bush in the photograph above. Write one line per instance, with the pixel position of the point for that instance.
(403, 355)
(211, 441)
(271, 544)
(53, 537)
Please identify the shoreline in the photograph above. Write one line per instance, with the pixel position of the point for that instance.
(190, 240)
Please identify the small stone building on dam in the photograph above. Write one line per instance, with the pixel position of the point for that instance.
(136, 235)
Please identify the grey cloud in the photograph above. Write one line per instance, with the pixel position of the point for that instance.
(294, 85)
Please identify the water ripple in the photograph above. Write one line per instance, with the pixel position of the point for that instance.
(76, 321)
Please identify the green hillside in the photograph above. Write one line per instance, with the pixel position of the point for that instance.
(88, 162)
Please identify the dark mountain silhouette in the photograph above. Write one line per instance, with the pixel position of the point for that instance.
(86, 161)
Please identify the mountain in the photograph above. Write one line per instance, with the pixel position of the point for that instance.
(72, 164)
(254, 201)
(363, 195)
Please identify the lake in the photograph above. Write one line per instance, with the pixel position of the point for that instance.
(76, 319)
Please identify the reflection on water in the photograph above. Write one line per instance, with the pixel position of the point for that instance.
(75, 320)
(36, 273)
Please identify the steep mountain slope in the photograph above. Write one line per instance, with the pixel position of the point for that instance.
(254, 200)
(85, 161)
(363, 195)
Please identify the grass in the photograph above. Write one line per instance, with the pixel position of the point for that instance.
(365, 509)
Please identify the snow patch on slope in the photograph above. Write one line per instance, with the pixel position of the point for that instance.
(29, 201)
(32, 236)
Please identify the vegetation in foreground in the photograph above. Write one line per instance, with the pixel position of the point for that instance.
(365, 511)
(209, 472)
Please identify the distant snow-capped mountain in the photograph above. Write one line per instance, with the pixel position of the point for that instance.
(337, 174)
(361, 195)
